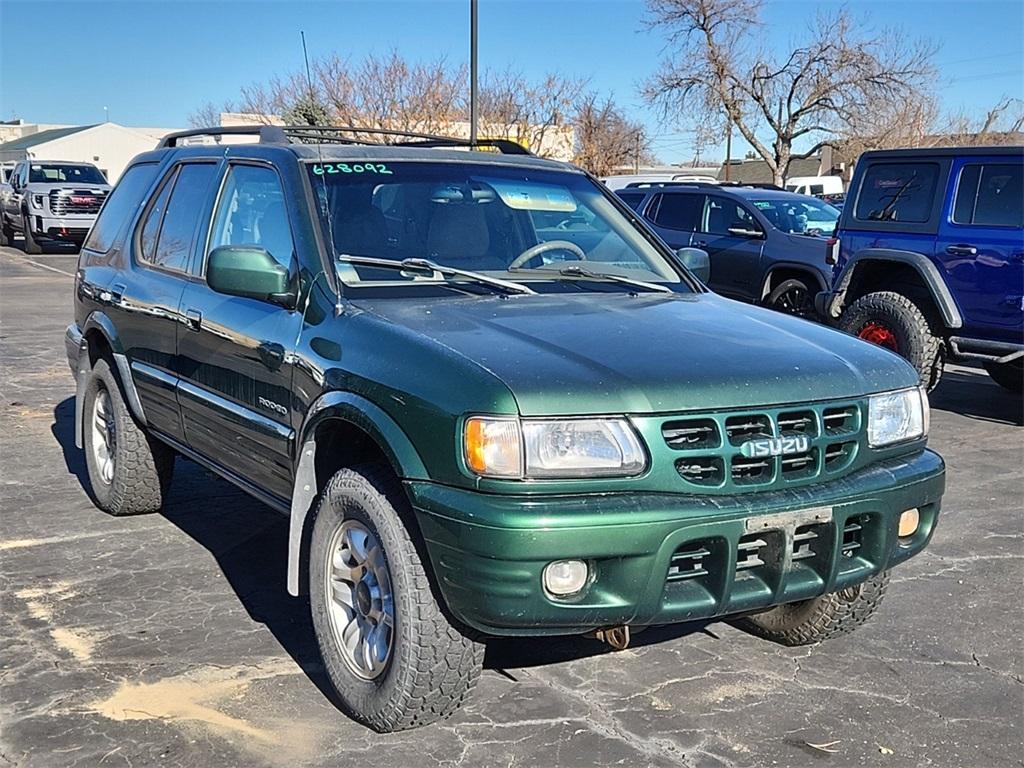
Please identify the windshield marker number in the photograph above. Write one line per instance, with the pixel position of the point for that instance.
(330, 168)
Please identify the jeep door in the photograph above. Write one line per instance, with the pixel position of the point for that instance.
(235, 352)
(734, 239)
(981, 244)
(144, 299)
(675, 216)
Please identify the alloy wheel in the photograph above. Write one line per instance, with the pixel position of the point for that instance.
(104, 435)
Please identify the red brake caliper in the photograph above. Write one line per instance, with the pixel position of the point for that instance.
(880, 335)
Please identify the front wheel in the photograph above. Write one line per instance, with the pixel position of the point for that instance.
(1008, 375)
(793, 297)
(393, 656)
(32, 245)
(896, 322)
(821, 618)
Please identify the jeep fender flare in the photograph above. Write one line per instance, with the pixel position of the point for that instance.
(98, 321)
(925, 268)
(374, 421)
(820, 283)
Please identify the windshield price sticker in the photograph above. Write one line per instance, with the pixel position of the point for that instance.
(330, 168)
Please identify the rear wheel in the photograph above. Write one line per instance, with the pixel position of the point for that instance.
(896, 322)
(793, 297)
(31, 244)
(821, 618)
(393, 656)
(129, 471)
(1008, 375)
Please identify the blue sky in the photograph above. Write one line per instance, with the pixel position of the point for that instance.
(152, 63)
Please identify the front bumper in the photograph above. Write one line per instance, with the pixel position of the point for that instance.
(666, 558)
(74, 228)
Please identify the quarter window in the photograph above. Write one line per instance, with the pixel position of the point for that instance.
(898, 192)
(990, 195)
(679, 211)
(119, 206)
(252, 211)
(632, 199)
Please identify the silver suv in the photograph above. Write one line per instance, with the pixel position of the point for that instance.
(54, 200)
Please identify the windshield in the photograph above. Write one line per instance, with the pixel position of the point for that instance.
(805, 216)
(509, 222)
(75, 174)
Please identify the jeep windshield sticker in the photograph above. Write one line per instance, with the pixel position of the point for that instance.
(329, 168)
(531, 196)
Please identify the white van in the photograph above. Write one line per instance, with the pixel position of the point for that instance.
(815, 185)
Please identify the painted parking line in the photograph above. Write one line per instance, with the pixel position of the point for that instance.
(27, 260)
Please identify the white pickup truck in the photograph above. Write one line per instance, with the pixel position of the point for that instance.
(54, 200)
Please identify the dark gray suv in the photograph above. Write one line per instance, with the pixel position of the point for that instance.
(766, 245)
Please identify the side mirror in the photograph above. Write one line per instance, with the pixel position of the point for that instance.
(744, 232)
(250, 271)
(697, 261)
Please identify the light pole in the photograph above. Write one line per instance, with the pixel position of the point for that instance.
(106, 115)
(472, 72)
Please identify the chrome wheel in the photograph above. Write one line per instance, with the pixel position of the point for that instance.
(359, 600)
(104, 436)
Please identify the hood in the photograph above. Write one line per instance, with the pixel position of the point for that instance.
(45, 186)
(615, 353)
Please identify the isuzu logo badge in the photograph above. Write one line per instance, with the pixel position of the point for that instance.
(775, 446)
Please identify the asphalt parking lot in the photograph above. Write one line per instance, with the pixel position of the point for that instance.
(170, 640)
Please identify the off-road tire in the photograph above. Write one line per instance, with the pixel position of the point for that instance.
(32, 245)
(6, 233)
(143, 466)
(785, 287)
(914, 328)
(1008, 375)
(433, 663)
(821, 618)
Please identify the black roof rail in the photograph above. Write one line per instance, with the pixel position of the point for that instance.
(283, 134)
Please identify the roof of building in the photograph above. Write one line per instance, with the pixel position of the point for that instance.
(42, 137)
(757, 171)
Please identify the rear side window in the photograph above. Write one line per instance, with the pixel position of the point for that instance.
(167, 234)
(897, 192)
(632, 199)
(723, 215)
(990, 195)
(120, 205)
(679, 211)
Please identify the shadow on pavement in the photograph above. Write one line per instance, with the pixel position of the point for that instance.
(971, 393)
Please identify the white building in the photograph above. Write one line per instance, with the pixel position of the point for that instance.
(109, 146)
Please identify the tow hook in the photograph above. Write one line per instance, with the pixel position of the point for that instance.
(616, 637)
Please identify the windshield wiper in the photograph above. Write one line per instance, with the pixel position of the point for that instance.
(587, 274)
(426, 265)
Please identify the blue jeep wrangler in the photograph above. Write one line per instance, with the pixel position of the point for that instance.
(929, 258)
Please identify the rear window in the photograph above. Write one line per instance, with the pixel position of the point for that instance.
(632, 199)
(679, 211)
(990, 195)
(897, 192)
(120, 205)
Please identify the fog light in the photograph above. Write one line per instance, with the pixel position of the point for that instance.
(565, 577)
(909, 521)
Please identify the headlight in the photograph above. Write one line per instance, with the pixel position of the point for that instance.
(894, 417)
(37, 201)
(549, 448)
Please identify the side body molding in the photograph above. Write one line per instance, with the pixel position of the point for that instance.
(98, 321)
(922, 264)
(359, 412)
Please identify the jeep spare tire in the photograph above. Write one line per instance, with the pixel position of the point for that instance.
(896, 322)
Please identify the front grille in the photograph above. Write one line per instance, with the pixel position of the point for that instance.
(65, 201)
(853, 534)
(712, 456)
(688, 562)
(804, 541)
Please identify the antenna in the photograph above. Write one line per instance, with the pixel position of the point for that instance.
(323, 180)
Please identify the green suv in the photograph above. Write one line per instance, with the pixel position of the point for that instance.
(490, 400)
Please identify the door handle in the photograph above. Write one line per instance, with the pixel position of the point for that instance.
(701, 243)
(961, 250)
(117, 293)
(194, 318)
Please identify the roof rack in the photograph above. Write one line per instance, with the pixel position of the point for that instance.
(284, 134)
(703, 184)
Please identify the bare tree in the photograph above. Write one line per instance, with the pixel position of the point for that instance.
(606, 139)
(207, 115)
(1005, 117)
(717, 73)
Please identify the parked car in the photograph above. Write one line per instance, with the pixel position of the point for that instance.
(817, 186)
(53, 200)
(929, 258)
(765, 245)
(618, 182)
(482, 421)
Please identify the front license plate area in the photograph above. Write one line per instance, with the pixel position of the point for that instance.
(788, 521)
